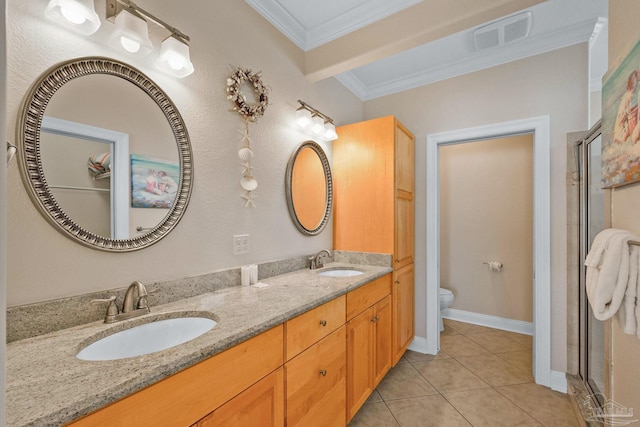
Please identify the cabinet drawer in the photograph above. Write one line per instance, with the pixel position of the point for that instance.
(189, 395)
(365, 296)
(306, 329)
(316, 384)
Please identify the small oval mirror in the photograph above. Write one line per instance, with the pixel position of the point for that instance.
(309, 188)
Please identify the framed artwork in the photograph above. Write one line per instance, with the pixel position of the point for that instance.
(154, 182)
(620, 122)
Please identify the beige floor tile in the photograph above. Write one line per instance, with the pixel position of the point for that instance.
(496, 371)
(414, 356)
(427, 411)
(489, 408)
(545, 405)
(461, 346)
(449, 375)
(448, 330)
(467, 328)
(520, 359)
(373, 415)
(375, 397)
(404, 381)
(496, 342)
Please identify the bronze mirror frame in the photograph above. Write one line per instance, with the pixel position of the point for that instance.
(328, 182)
(30, 161)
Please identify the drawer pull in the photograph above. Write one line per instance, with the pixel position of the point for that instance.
(323, 323)
(397, 282)
(397, 260)
(375, 319)
(323, 372)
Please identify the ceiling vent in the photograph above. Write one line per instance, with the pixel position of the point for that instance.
(504, 31)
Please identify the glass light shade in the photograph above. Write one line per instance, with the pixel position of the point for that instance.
(330, 132)
(303, 117)
(77, 15)
(131, 34)
(174, 58)
(317, 125)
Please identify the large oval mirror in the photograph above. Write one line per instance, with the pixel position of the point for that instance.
(105, 154)
(309, 188)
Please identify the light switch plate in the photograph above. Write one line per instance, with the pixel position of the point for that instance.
(240, 244)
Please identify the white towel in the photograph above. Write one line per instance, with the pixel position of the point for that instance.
(627, 314)
(608, 268)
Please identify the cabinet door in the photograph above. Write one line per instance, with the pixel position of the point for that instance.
(260, 405)
(316, 384)
(404, 230)
(382, 332)
(403, 311)
(404, 159)
(360, 352)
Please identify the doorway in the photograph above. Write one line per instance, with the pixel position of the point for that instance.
(540, 128)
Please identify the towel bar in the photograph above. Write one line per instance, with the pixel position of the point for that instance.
(633, 242)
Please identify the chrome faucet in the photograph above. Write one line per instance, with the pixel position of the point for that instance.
(315, 260)
(129, 309)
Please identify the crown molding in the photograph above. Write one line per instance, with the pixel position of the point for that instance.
(353, 19)
(567, 36)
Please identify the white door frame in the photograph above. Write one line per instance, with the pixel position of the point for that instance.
(540, 127)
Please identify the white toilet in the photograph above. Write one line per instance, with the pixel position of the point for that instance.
(446, 299)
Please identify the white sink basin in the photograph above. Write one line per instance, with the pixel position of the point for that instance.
(147, 338)
(340, 272)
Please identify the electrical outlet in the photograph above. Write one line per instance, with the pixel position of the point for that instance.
(240, 244)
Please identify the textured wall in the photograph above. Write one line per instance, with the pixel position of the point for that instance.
(43, 264)
(554, 84)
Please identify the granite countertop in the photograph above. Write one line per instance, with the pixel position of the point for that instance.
(47, 385)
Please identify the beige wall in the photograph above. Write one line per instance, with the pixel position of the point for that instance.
(625, 205)
(202, 242)
(486, 214)
(554, 84)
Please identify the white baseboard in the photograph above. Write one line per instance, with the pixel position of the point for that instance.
(419, 344)
(502, 323)
(558, 381)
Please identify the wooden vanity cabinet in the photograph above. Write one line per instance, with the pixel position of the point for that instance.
(369, 341)
(259, 405)
(186, 397)
(373, 177)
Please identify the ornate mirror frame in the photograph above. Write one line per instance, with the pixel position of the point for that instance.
(30, 161)
(328, 182)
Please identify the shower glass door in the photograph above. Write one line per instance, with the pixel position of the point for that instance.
(592, 221)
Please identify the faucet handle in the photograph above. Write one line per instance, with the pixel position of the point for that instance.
(112, 309)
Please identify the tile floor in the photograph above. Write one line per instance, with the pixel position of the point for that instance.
(481, 377)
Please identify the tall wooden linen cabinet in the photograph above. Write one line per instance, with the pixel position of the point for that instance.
(373, 171)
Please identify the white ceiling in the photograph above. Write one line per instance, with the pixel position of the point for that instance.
(555, 24)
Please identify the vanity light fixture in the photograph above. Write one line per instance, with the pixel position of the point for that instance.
(77, 15)
(315, 122)
(132, 34)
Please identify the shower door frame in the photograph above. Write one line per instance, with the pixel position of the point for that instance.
(584, 161)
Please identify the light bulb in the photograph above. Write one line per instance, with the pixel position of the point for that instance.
(73, 13)
(317, 125)
(129, 45)
(176, 62)
(303, 118)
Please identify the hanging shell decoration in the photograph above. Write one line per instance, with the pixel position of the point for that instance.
(250, 112)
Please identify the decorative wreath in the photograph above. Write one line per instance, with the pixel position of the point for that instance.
(249, 111)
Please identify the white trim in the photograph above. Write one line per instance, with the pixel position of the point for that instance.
(343, 23)
(567, 36)
(489, 321)
(120, 165)
(418, 344)
(540, 127)
(558, 381)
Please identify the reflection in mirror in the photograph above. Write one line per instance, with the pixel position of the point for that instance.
(98, 119)
(309, 188)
